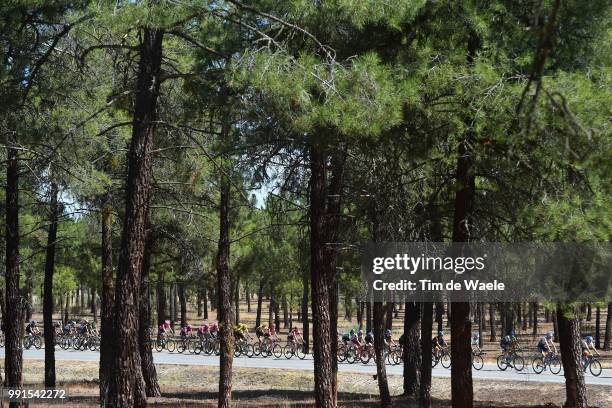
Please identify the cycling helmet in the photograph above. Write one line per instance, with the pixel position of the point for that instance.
(352, 332)
(589, 339)
(189, 326)
(549, 335)
(475, 336)
(441, 333)
(33, 322)
(360, 333)
(370, 334)
(388, 332)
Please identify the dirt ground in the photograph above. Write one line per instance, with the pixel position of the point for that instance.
(195, 386)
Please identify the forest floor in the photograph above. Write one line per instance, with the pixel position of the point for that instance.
(196, 386)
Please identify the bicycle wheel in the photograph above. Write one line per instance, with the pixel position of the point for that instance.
(538, 365)
(555, 365)
(181, 346)
(277, 350)
(519, 363)
(502, 364)
(396, 357)
(365, 356)
(171, 345)
(351, 355)
(27, 343)
(288, 352)
(595, 367)
(446, 361)
(434, 361)
(38, 342)
(257, 349)
(248, 350)
(159, 345)
(341, 355)
(299, 352)
(477, 362)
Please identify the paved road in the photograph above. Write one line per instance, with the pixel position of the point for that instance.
(490, 371)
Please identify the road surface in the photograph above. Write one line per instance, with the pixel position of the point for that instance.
(489, 372)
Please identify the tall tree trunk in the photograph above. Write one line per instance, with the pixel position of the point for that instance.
(608, 335)
(555, 321)
(247, 295)
(597, 327)
(305, 319)
(535, 319)
(271, 309)
(29, 288)
(237, 298)
(425, 383)
(49, 332)
(325, 203)
(379, 346)
(94, 306)
(285, 312)
(571, 355)
(225, 312)
(183, 302)
(144, 323)
(368, 312)
(461, 326)
(127, 388)
(440, 315)
(277, 315)
(66, 308)
(205, 303)
(389, 316)
(13, 320)
(259, 302)
(160, 291)
(412, 349)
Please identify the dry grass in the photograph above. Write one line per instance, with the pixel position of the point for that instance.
(195, 386)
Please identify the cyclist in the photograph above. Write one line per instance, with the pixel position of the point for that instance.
(355, 339)
(186, 331)
(476, 343)
(241, 332)
(346, 337)
(202, 332)
(545, 343)
(388, 339)
(295, 336)
(587, 344)
(213, 329)
(271, 335)
(438, 343)
(260, 330)
(32, 328)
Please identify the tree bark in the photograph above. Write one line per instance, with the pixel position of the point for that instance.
(160, 291)
(325, 205)
(13, 320)
(144, 323)
(379, 345)
(597, 327)
(412, 349)
(535, 319)
(571, 355)
(461, 326)
(183, 302)
(127, 388)
(94, 306)
(237, 298)
(205, 303)
(259, 303)
(425, 380)
(224, 291)
(49, 332)
(305, 319)
(440, 315)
